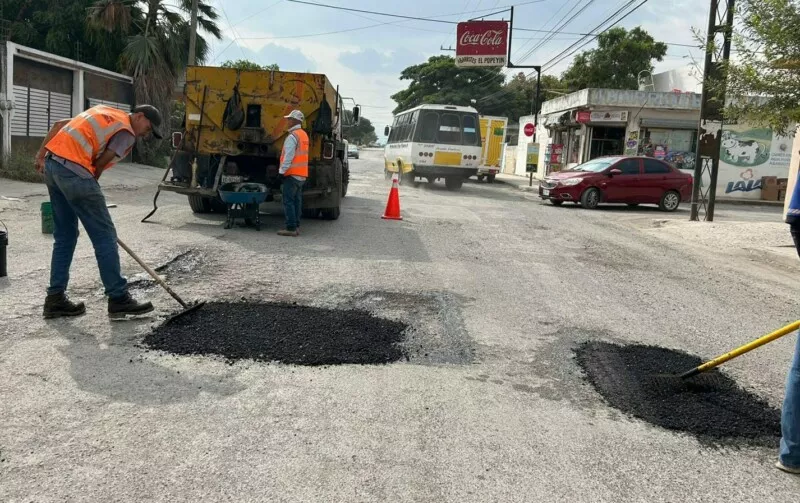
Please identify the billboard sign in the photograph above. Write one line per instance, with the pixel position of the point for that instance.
(482, 43)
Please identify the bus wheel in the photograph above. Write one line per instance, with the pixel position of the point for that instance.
(453, 182)
(490, 178)
(408, 179)
(387, 174)
(480, 178)
(431, 179)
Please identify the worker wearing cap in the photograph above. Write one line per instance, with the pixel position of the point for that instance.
(73, 156)
(789, 458)
(294, 170)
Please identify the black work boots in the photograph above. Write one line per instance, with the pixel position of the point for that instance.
(127, 305)
(58, 305)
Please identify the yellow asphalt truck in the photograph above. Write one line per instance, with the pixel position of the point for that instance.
(234, 129)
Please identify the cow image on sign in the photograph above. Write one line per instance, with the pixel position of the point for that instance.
(529, 129)
(482, 43)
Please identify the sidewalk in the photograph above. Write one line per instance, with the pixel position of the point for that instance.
(521, 182)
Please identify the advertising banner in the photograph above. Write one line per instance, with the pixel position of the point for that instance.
(482, 43)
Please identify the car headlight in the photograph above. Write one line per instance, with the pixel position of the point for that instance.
(569, 182)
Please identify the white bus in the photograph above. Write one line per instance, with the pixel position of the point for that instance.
(433, 142)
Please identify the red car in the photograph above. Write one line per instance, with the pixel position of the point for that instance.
(619, 179)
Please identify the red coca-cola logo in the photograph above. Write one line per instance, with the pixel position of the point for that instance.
(489, 37)
(482, 38)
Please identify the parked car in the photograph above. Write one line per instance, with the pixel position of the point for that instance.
(352, 151)
(619, 179)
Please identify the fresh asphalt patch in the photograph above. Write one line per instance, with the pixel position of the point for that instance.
(637, 380)
(287, 333)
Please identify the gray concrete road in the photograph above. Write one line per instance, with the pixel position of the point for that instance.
(500, 287)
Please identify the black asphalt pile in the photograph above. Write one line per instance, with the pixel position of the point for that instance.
(287, 333)
(638, 380)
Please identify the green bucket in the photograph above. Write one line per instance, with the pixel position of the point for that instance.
(47, 218)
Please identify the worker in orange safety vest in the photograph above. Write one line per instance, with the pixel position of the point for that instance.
(73, 156)
(294, 170)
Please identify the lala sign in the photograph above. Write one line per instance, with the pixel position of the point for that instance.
(482, 43)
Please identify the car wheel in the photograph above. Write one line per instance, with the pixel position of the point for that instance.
(670, 201)
(490, 178)
(590, 198)
(556, 203)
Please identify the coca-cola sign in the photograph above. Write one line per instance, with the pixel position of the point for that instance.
(482, 43)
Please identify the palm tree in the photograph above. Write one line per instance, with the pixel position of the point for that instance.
(158, 42)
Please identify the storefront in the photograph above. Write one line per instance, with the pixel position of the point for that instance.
(674, 141)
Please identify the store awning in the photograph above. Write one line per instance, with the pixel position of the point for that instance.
(670, 123)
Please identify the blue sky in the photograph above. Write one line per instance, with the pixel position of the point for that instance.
(366, 58)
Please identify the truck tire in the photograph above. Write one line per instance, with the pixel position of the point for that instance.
(199, 204)
(490, 178)
(345, 178)
(453, 182)
(333, 213)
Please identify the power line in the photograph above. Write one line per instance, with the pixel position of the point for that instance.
(235, 35)
(564, 4)
(559, 27)
(426, 19)
(549, 65)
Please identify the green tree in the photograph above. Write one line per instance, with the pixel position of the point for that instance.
(766, 64)
(520, 95)
(616, 62)
(61, 28)
(157, 46)
(362, 133)
(247, 65)
(438, 80)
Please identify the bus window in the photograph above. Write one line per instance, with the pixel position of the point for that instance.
(470, 130)
(412, 125)
(429, 126)
(450, 129)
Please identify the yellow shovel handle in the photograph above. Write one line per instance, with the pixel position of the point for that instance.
(749, 346)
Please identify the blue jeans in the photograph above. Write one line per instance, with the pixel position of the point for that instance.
(790, 420)
(292, 201)
(74, 198)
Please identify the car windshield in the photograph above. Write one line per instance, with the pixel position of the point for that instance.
(596, 165)
(352, 148)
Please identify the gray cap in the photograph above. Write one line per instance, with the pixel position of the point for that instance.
(296, 115)
(154, 116)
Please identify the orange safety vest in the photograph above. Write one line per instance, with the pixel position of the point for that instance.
(85, 137)
(299, 166)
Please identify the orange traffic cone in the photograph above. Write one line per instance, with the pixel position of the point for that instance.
(393, 204)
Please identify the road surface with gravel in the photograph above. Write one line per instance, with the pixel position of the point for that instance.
(498, 289)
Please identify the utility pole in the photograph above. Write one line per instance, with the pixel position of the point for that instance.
(720, 27)
(193, 34)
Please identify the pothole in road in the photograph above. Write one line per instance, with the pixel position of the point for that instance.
(286, 333)
(638, 380)
(182, 264)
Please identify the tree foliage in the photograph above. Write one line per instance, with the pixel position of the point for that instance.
(438, 80)
(616, 62)
(766, 66)
(361, 134)
(247, 65)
